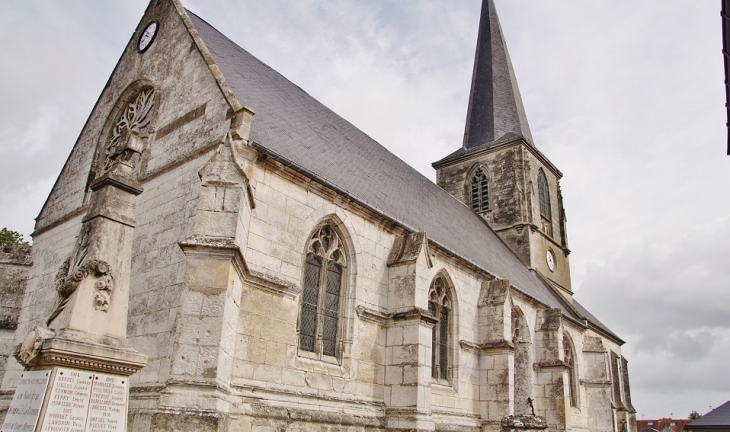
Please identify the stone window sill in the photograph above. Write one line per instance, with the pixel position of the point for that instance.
(442, 386)
(326, 365)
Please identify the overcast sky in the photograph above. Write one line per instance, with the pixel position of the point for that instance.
(624, 96)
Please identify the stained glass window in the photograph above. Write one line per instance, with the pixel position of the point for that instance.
(321, 292)
(439, 305)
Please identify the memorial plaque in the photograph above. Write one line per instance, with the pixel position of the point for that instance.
(68, 402)
(108, 404)
(25, 407)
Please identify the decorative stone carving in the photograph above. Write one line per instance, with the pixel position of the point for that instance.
(523, 423)
(32, 343)
(127, 141)
(327, 244)
(68, 280)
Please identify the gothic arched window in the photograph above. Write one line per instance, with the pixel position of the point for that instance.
(544, 194)
(570, 363)
(439, 304)
(322, 289)
(479, 190)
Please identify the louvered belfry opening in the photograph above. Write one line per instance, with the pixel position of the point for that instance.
(319, 321)
(479, 190)
(544, 192)
(439, 305)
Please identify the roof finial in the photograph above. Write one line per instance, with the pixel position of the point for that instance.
(495, 105)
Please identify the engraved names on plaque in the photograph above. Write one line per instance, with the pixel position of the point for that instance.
(68, 403)
(78, 401)
(25, 407)
(108, 404)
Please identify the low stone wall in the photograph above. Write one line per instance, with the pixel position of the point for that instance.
(15, 265)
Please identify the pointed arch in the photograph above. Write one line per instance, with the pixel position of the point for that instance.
(323, 311)
(543, 190)
(572, 369)
(477, 189)
(442, 303)
(116, 126)
(343, 223)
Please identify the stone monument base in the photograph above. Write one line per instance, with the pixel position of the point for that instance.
(69, 400)
(82, 350)
(74, 382)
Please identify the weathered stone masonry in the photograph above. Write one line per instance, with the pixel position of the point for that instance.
(240, 169)
(15, 263)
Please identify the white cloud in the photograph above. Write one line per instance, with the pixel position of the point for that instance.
(625, 97)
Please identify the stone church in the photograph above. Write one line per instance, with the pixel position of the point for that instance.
(287, 272)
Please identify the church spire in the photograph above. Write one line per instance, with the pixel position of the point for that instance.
(495, 105)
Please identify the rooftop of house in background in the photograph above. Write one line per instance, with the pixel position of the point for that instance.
(662, 425)
(715, 420)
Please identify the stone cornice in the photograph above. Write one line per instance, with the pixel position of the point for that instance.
(61, 220)
(390, 318)
(497, 146)
(275, 286)
(118, 181)
(497, 346)
(72, 349)
(415, 313)
(245, 386)
(470, 346)
(595, 383)
(371, 315)
(222, 248)
(553, 364)
(225, 248)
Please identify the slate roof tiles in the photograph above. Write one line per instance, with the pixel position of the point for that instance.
(717, 419)
(293, 126)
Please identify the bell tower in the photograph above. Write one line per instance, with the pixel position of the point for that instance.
(499, 173)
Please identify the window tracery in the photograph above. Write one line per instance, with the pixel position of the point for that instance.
(321, 293)
(126, 143)
(439, 305)
(479, 190)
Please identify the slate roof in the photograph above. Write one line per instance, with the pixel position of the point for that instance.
(296, 129)
(662, 425)
(495, 104)
(718, 419)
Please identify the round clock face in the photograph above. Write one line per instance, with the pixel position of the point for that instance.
(147, 36)
(550, 258)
